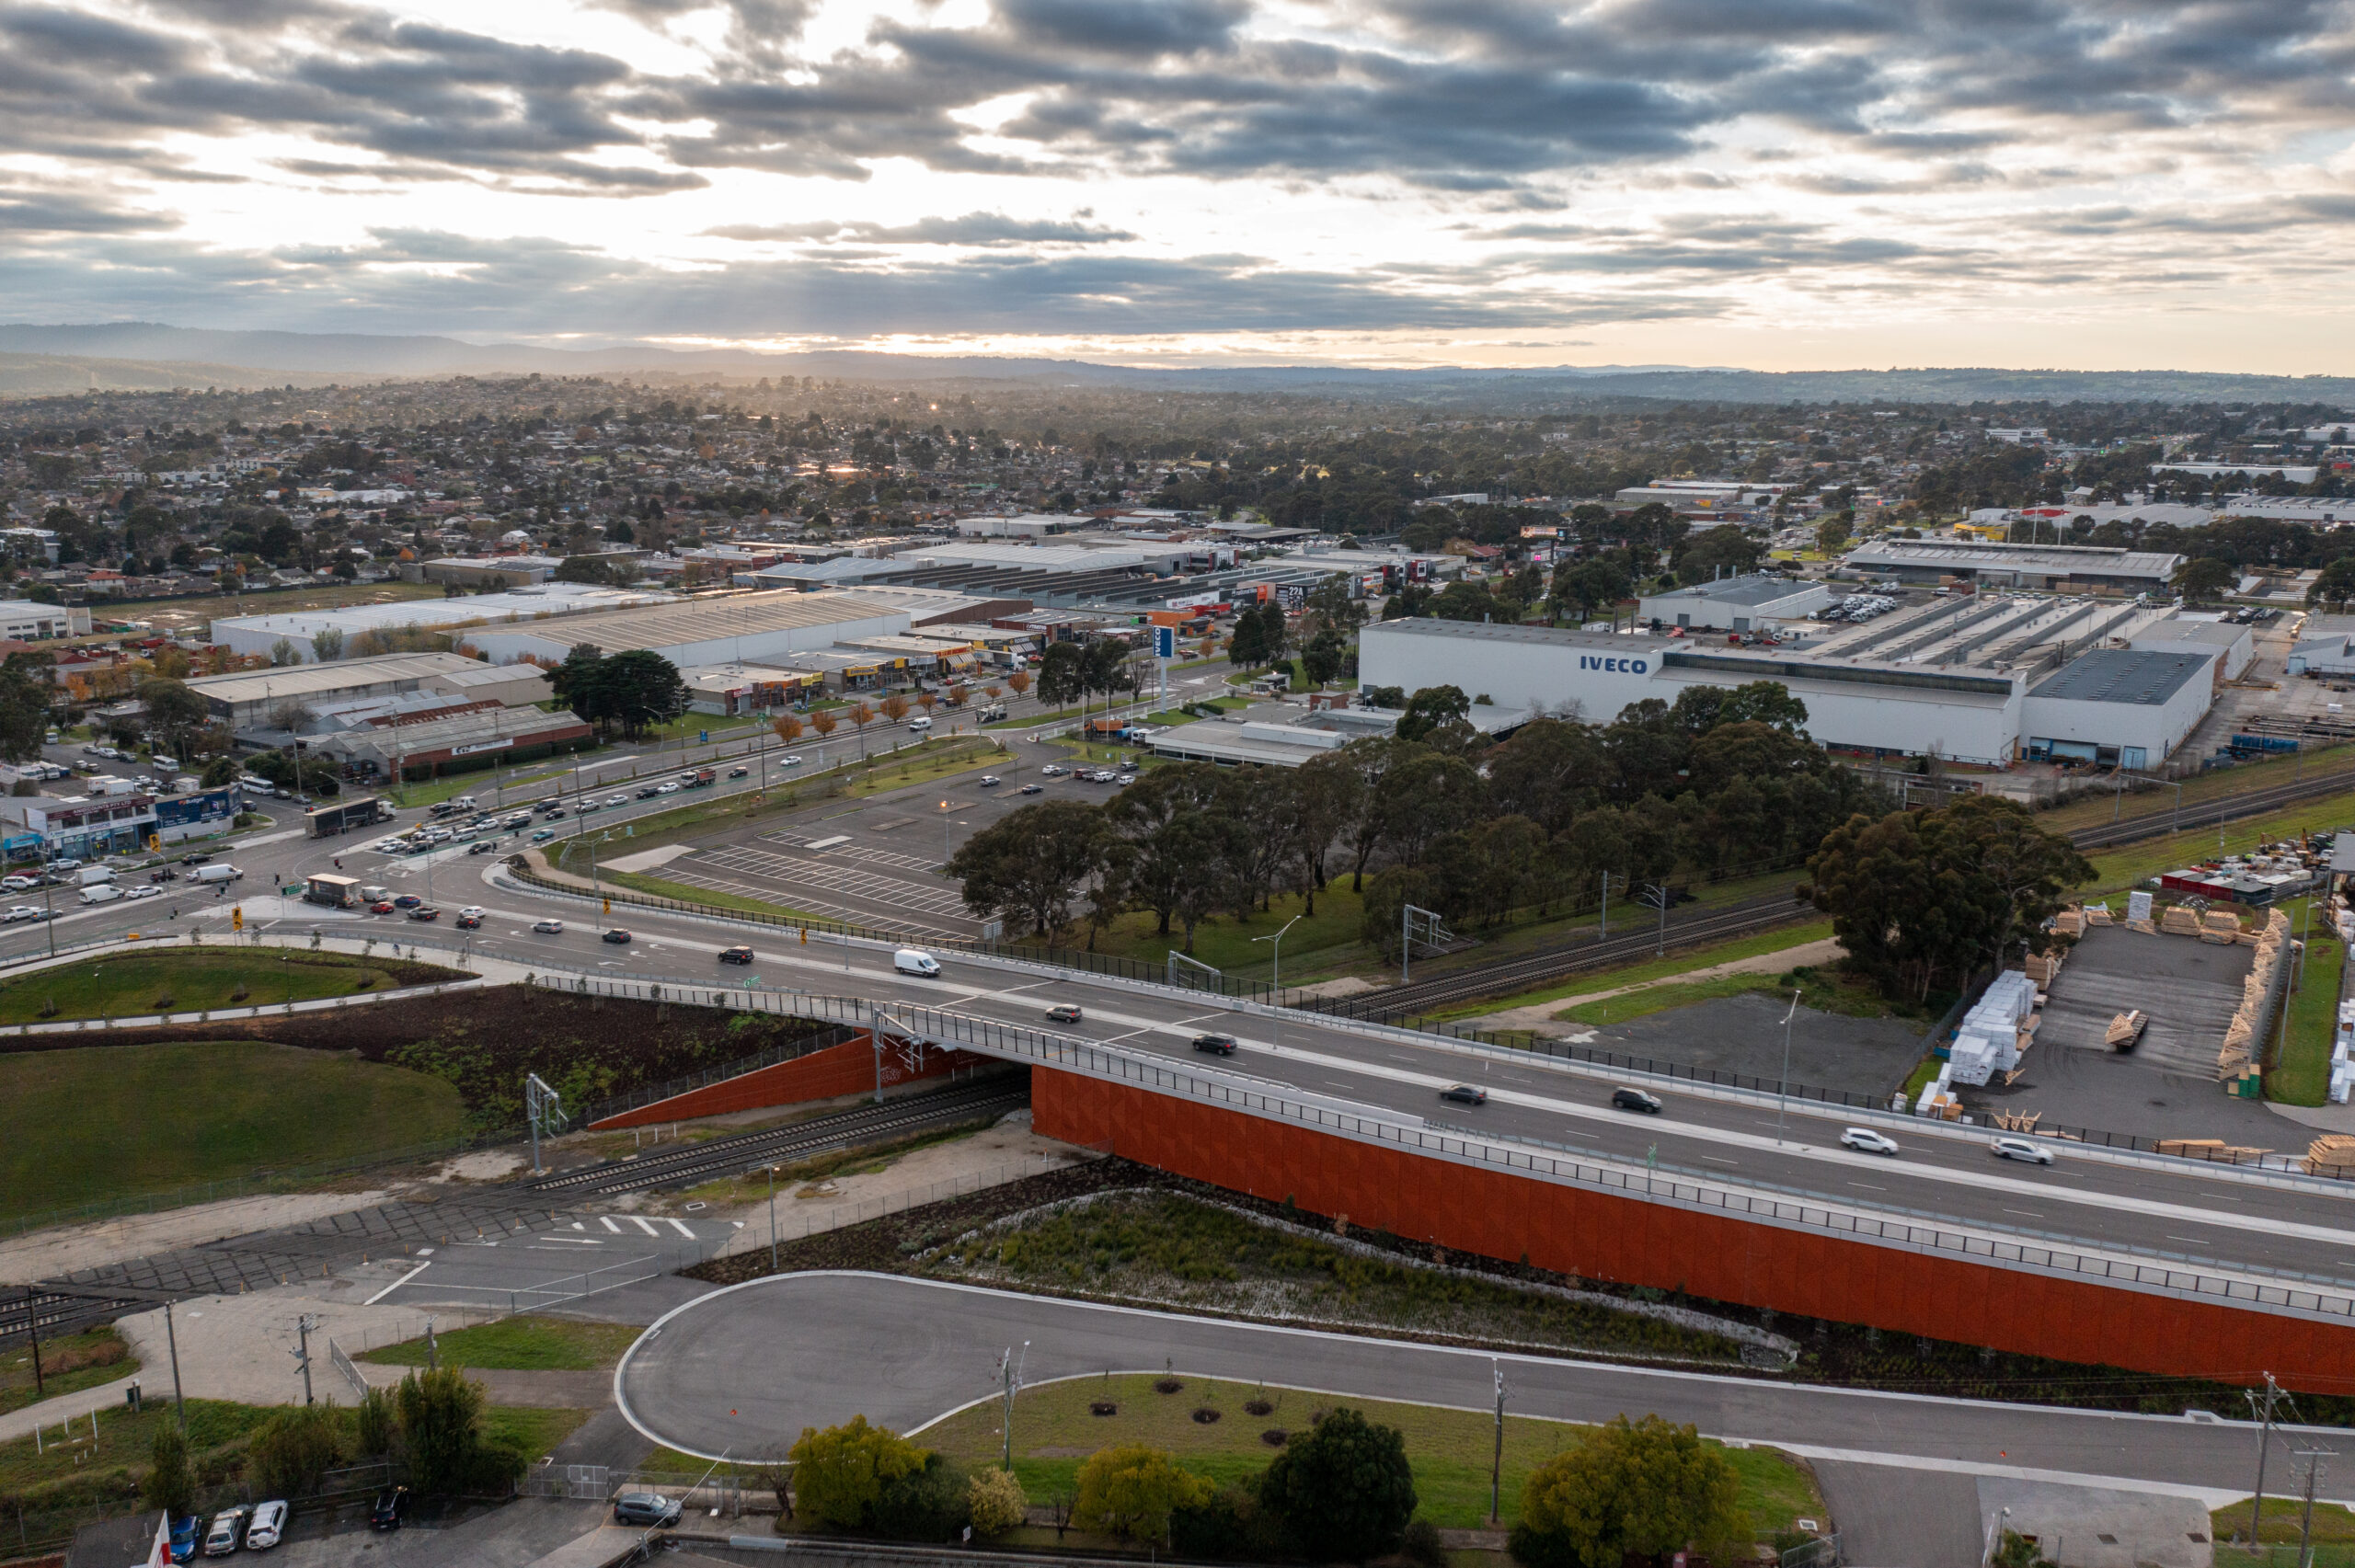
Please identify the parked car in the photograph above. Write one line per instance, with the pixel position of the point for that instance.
(618, 936)
(391, 1509)
(2021, 1149)
(1053, 771)
(1063, 1013)
(1216, 1045)
(22, 913)
(1649, 1103)
(645, 1508)
(548, 928)
(1033, 789)
(1864, 1141)
(1464, 1094)
(735, 955)
(269, 1523)
(185, 1531)
(228, 1530)
(485, 847)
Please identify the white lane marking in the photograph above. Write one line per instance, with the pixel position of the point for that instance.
(608, 1221)
(682, 1230)
(639, 1221)
(397, 1284)
(570, 1241)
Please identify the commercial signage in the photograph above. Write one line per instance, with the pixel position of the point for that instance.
(472, 747)
(1616, 665)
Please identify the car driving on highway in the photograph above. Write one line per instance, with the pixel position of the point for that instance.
(735, 955)
(1864, 1141)
(1217, 1045)
(1635, 1100)
(548, 928)
(1063, 1013)
(618, 936)
(1464, 1094)
(2020, 1148)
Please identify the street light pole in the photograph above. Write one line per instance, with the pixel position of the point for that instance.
(772, 1220)
(1276, 970)
(1783, 1086)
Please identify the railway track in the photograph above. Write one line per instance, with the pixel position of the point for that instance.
(57, 1312)
(1754, 915)
(730, 1156)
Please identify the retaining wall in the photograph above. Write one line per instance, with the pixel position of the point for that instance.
(846, 1068)
(1629, 1241)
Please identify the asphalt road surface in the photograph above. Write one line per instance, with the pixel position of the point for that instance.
(744, 1369)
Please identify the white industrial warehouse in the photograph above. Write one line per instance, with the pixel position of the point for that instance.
(346, 628)
(2041, 679)
(691, 634)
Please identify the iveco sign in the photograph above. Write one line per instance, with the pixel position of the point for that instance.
(1616, 665)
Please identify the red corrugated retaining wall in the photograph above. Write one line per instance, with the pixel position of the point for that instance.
(846, 1068)
(1602, 1237)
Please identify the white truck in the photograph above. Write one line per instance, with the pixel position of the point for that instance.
(93, 876)
(204, 875)
(103, 893)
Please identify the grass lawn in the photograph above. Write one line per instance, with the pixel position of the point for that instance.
(687, 726)
(1449, 1450)
(68, 1366)
(2302, 1076)
(1826, 991)
(192, 979)
(527, 1344)
(2334, 1532)
(1331, 936)
(93, 1123)
(2119, 870)
(1668, 968)
(536, 1432)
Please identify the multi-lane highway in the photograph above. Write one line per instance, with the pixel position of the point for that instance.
(2217, 1215)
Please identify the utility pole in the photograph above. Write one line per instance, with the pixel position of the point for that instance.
(1010, 1374)
(2264, 1441)
(1497, 1461)
(172, 1342)
(2314, 1458)
(1604, 934)
(540, 1103)
(303, 1327)
(772, 1220)
(1657, 895)
(432, 1348)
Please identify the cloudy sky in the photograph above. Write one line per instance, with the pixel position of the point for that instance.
(1781, 183)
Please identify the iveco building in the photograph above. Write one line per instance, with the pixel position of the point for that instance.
(1968, 714)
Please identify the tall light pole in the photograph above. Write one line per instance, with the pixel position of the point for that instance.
(772, 1220)
(1783, 1086)
(1657, 895)
(1276, 969)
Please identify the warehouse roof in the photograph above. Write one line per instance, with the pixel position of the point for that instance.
(1755, 589)
(2122, 675)
(2091, 559)
(298, 681)
(708, 620)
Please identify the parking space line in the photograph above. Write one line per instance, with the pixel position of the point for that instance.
(639, 1221)
(397, 1284)
(608, 1221)
(681, 1228)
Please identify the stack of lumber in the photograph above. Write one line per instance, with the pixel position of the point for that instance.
(2042, 967)
(2179, 921)
(2097, 914)
(2241, 1042)
(2332, 1154)
(2016, 1121)
(2125, 1030)
(2212, 1148)
(2070, 923)
(2220, 926)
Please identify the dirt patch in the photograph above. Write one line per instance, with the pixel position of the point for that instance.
(485, 1041)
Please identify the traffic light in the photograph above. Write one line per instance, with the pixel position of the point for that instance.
(155, 843)
(238, 918)
(609, 906)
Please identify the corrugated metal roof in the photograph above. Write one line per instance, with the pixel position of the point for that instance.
(2124, 675)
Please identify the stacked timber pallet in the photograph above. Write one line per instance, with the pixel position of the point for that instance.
(2097, 914)
(2220, 926)
(2016, 1121)
(2242, 1034)
(2178, 920)
(2212, 1148)
(2125, 1030)
(2070, 923)
(2332, 1154)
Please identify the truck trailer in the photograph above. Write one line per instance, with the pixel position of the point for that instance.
(347, 815)
(335, 892)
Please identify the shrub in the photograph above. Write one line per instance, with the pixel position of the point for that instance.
(840, 1471)
(1229, 1524)
(295, 1447)
(1644, 1488)
(375, 1423)
(1421, 1545)
(441, 1417)
(1345, 1489)
(925, 1504)
(1131, 1491)
(995, 1502)
(169, 1486)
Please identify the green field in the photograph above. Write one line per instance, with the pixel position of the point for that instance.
(196, 980)
(93, 1123)
(1449, 1450)
(520, 1345)
(1826, 990)
(2302, 1074)
(68, 1366)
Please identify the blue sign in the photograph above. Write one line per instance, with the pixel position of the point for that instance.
(1616, 665)
(1165, 642)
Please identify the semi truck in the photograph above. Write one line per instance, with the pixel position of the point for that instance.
(347, 815)
(335, 892)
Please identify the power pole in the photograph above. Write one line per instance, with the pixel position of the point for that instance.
(432, 1348)
(1009, 1374)
(32, 1330)
(2314, 1458)
(1497, 1462)
(2264, 1441)
(303, 1327)
(1604, 933)
(171, 1341)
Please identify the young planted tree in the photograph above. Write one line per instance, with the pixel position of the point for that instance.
(860, 717)
(787, 727)
(1129, 1491)
(1019, 682)
(840, 1471)
(169, 1486)
(825, 722)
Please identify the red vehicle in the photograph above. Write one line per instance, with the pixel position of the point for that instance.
(381, 907)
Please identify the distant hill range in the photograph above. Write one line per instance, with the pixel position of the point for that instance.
(41, 361)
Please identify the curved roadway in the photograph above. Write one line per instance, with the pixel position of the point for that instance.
(741, 1371)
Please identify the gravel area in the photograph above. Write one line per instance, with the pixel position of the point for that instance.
(1744, 1034)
